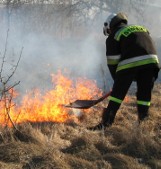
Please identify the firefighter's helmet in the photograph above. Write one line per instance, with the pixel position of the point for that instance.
(114, 20)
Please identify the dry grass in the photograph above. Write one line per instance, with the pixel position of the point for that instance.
(125, 145)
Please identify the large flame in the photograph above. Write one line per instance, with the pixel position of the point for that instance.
(38, 107)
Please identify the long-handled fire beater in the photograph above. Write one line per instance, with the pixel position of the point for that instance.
(85, 104)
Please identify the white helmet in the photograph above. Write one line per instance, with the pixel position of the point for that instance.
(106, 27)
(109, 18)
(113, 20)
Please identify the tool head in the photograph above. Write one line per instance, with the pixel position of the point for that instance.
(81, 104)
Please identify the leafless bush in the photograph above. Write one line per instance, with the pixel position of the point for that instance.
(7, 89)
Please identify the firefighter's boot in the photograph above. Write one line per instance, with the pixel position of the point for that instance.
(108, 117)
(142, 113)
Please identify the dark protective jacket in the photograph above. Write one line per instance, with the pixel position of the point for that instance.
(130, 47)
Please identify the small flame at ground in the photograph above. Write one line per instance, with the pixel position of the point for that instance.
(38, 107)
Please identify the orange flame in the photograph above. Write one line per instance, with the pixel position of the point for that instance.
(38, 107)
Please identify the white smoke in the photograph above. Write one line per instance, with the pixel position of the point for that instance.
(44, 53)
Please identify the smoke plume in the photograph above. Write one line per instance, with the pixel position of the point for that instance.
(47, 49)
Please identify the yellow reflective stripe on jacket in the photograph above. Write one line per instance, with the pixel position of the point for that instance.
(137, 61)
(126, 31)
(115, 99)
(144, 103)
(113, 60)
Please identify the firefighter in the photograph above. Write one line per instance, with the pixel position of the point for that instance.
(131, 56)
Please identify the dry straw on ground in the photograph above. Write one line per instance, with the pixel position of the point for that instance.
(125, 145)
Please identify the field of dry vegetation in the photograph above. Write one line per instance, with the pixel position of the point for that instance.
(125, 145)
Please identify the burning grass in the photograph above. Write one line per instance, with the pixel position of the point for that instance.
(68, 145)
(38, 106)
